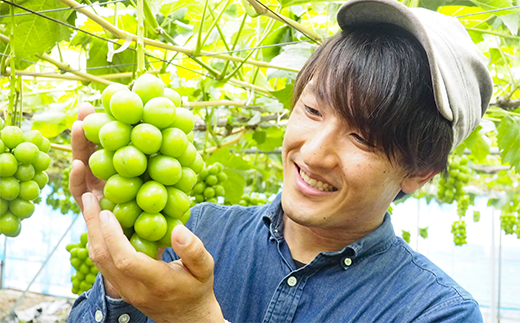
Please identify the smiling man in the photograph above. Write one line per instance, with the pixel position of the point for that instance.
(376, 112)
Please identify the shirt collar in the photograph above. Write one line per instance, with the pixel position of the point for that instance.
(377, 241)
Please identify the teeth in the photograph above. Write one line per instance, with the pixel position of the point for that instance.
(317, 184)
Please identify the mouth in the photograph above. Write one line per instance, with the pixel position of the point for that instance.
(314, 183)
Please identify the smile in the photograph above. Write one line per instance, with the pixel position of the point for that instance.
(316, 184)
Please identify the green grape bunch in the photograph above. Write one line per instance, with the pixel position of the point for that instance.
(147, 158)
(60, 197)
(209, 185)
(458, 228)
(252, 199)
(23, 162)
(86, 272)
(462, 206)
(508, 222)
(451, 187)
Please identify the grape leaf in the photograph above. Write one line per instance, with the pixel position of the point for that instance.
(98, 64)
(284, 95)
(35, 35)
(228, 159)
(274, 139)
(50, 123)
(495, 4)
(259, 136)
(511, 21)
(406, 236)
(234, 186)
(287, 3)
(470, 18)
(292, 56)
(423, 232)
(508, 138)
(477, 144)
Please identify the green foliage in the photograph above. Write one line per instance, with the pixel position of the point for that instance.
(423, 232)
(406, 236)
(509, 141)
(36, 35)
(242, 107)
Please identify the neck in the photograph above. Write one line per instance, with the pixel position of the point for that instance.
(306, 243)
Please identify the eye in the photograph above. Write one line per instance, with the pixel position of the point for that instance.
(312, 111)
(360, 139)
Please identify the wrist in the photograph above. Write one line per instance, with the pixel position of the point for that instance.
(110, 290)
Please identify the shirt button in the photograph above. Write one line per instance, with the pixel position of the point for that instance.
(99, 316)
(347, 261)
(292, 281)
(125, 318)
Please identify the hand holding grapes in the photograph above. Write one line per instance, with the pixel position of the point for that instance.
(81, 178)
(187, 293)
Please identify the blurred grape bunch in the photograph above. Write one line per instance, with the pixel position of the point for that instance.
(86, 272)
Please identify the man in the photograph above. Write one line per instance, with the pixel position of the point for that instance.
(376, 111)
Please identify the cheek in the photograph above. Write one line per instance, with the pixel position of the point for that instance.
(292, 133)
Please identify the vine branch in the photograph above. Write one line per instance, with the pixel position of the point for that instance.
(121, 34)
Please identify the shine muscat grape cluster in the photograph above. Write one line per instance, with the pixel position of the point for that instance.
(85, 270)
(23, 161)
(451, 188)
(147, 158)
(209, 184)
(252, 199)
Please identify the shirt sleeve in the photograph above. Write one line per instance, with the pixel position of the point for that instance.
(96, 307)
(453, 311)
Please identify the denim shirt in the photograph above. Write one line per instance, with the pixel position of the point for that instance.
(378, 278)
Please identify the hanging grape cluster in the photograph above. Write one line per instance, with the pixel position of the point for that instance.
(509, 219)
(60, 197)
(86, 272)
(252, 199)
(23, 162)
(210, 184)
(451, 186)
(508, 223)
(476, 216)
(458, 228)
(147, 158)
(451, 189)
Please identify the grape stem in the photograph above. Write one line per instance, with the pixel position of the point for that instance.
(121, 34)
(141, 67)
(11, 110)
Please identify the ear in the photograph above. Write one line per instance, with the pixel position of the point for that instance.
(413, 182)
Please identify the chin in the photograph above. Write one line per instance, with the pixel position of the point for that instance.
(301, 210)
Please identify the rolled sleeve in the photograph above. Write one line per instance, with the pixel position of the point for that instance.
(95, 306)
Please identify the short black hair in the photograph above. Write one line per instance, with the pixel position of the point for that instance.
(377, 78)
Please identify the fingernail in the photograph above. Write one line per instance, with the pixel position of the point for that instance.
(183, 235)
(87, 200)
(104, 217)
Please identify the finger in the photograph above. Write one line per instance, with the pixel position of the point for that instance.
(192, 252)
(84, 109)
(126, 259)
(97, 246)
(91, 210)
(160, 253)
(81, 146)
(77, 181)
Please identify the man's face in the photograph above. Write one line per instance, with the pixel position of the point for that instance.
(332, 179)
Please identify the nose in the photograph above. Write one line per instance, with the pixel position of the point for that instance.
(320, 148)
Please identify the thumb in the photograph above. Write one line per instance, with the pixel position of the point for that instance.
(192, 252)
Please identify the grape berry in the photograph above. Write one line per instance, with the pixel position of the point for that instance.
(146, 158)
(85, 270)
(23, 161)
(209, 185)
